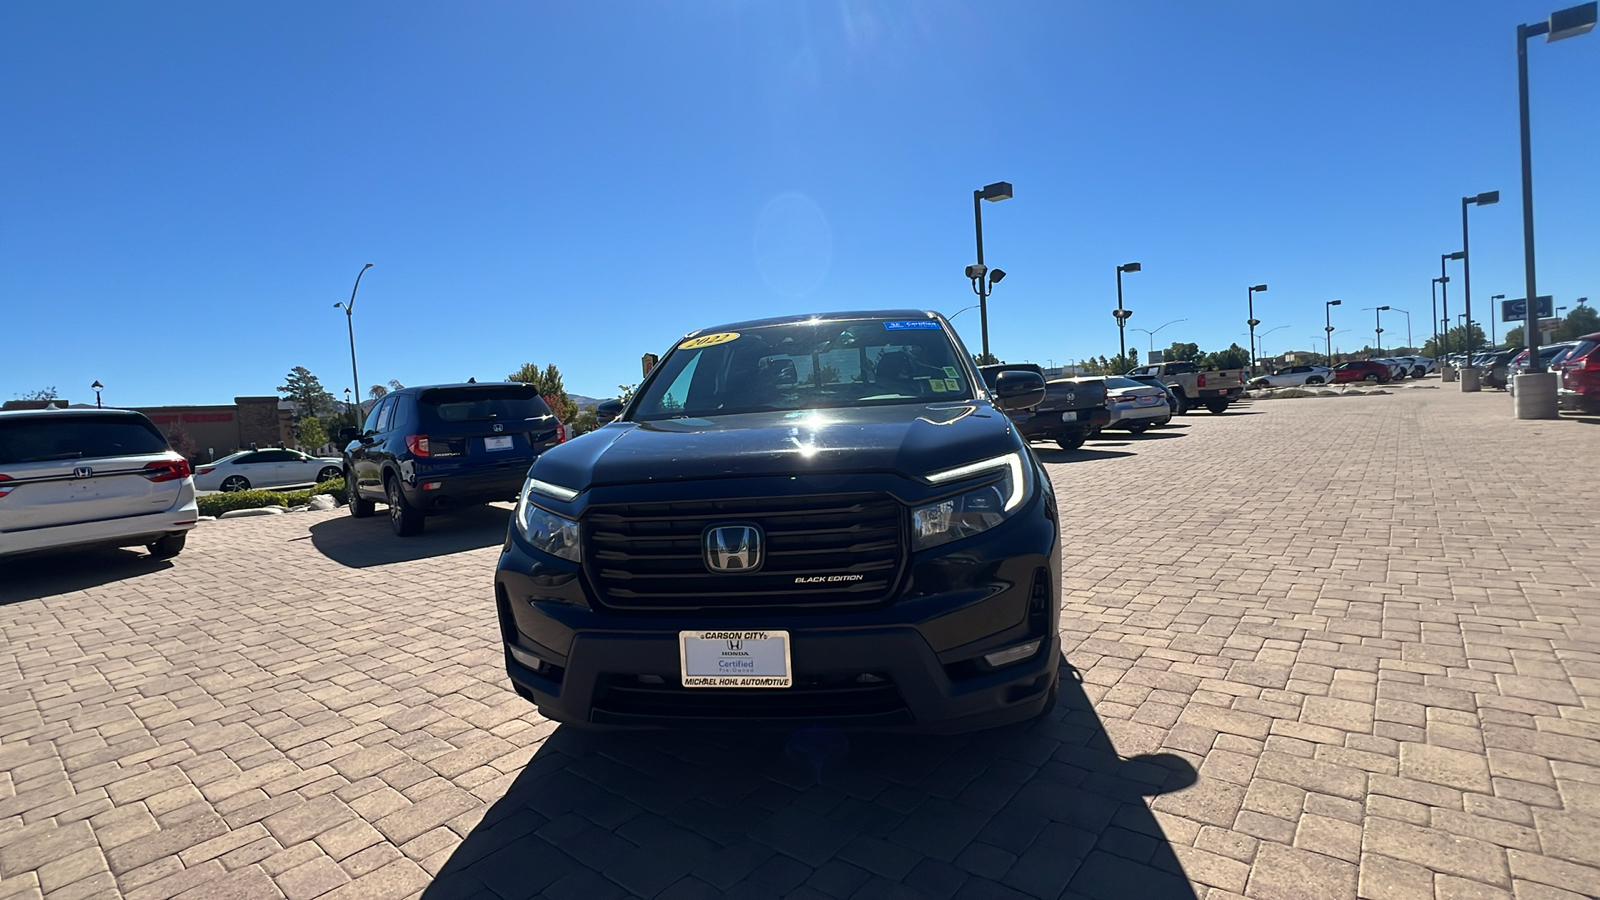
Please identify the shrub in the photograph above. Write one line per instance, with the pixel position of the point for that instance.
(217, 504)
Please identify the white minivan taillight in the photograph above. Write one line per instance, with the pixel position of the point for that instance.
(166, 470)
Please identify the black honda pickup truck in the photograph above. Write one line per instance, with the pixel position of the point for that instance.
(1070, 413)
(820, 519)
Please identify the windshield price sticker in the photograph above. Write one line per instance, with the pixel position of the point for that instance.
(709, 340)
(914, 325)
(739, 659)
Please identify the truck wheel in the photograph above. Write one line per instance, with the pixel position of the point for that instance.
(1217, 407)
(1183, 404)
(1071, 443)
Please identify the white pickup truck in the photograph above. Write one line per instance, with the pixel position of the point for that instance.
(1213, 389)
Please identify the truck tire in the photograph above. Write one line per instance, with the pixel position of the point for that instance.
(1183, 404)
(1217, 407)
(1071, 443)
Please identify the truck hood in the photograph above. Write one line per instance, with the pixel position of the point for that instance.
(908, 439)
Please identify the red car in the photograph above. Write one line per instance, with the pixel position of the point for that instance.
(1580, 376)
(1361, 370)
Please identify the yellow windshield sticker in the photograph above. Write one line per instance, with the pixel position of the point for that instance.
(950, 372)
(708, 340)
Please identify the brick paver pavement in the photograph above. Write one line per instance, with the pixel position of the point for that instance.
(1320, 648)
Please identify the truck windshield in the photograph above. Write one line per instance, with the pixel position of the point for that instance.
(817, 364)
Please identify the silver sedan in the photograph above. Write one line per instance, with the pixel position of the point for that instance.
(265, 468)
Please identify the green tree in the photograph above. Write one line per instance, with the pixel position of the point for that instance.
(1235, 357)
(585, 421)
(312, 434)
(985, 359)
(549, 384)
(1581, 321)
(1181, 352)
(45, 393)
(306, 392)
(1516, 337)
(377, 391)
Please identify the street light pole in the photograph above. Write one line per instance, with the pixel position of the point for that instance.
(1565, 23)
(1377, 315)
(1250, 298)
(1327, 325)
(1483, 199)
(349, 320)
(1444, 290)
(1494, 316)
(994, 193)
(1408, 325)
(1121, 314)
(1153, 334)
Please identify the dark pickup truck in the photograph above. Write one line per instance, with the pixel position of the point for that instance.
(1070, 413)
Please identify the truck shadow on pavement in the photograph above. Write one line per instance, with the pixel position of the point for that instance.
(48, 574)
(1025, 811)
(1079, 455)
(359, 543)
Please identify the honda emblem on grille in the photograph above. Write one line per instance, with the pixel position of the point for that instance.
(498, 427)
(733, 549)
(82, 472)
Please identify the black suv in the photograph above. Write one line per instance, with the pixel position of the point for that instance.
(820, 519)
(430, 449)
(1070, 413)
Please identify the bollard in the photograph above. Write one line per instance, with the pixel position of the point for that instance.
(1471, 382)
(1535, 396)
(1448, 372)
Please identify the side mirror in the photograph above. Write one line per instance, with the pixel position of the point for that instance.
(1018, 389)
(606, 411)
(347, 434)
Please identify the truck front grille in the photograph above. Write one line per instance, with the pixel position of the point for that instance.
(650, 556)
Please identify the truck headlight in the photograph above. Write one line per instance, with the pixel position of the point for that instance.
(555, 535)
(975, 511)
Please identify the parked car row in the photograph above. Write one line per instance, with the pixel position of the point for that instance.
(1076, 409)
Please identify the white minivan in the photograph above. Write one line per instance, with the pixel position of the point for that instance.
(86, 477)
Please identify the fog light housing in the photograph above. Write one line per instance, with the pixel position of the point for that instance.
(1011, 654)
(525, 658)
(433, 485)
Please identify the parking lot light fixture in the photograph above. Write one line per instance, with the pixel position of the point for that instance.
(96, 387)
(349, 310)
(1483, 199)
(1444, 289)
(1494, 317)
(1153, 334)
(1377, 315)
(1408, 324)
(1327, 322)
(1250, 300)
(1121, 315)
(1539, 402)
(994, 193)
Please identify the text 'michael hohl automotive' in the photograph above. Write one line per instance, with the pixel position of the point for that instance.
(816, 519)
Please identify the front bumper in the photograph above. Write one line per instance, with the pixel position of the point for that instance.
(129, 531)
(914, 663)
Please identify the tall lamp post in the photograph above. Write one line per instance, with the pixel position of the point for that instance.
(1408, 324)
(1327, 325)
(1469, 376)
(97, 387)
(1377, 315)
(349, 308)
(1153, 334)
(1536, 396)
(1121, 314)
(981, 285)
(1250, 298)
(1444, 290)
(1263, 339)
(1494, 316)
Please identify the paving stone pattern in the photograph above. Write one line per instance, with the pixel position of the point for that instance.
(1318, 649)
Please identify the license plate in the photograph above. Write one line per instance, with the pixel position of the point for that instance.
(1070, 415)
(735, 659)
(497, 443)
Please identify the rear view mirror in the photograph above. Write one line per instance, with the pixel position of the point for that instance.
(1018, 389)
(348, 434)
(606, 411)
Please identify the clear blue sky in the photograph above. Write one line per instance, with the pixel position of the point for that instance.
(188, 189)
